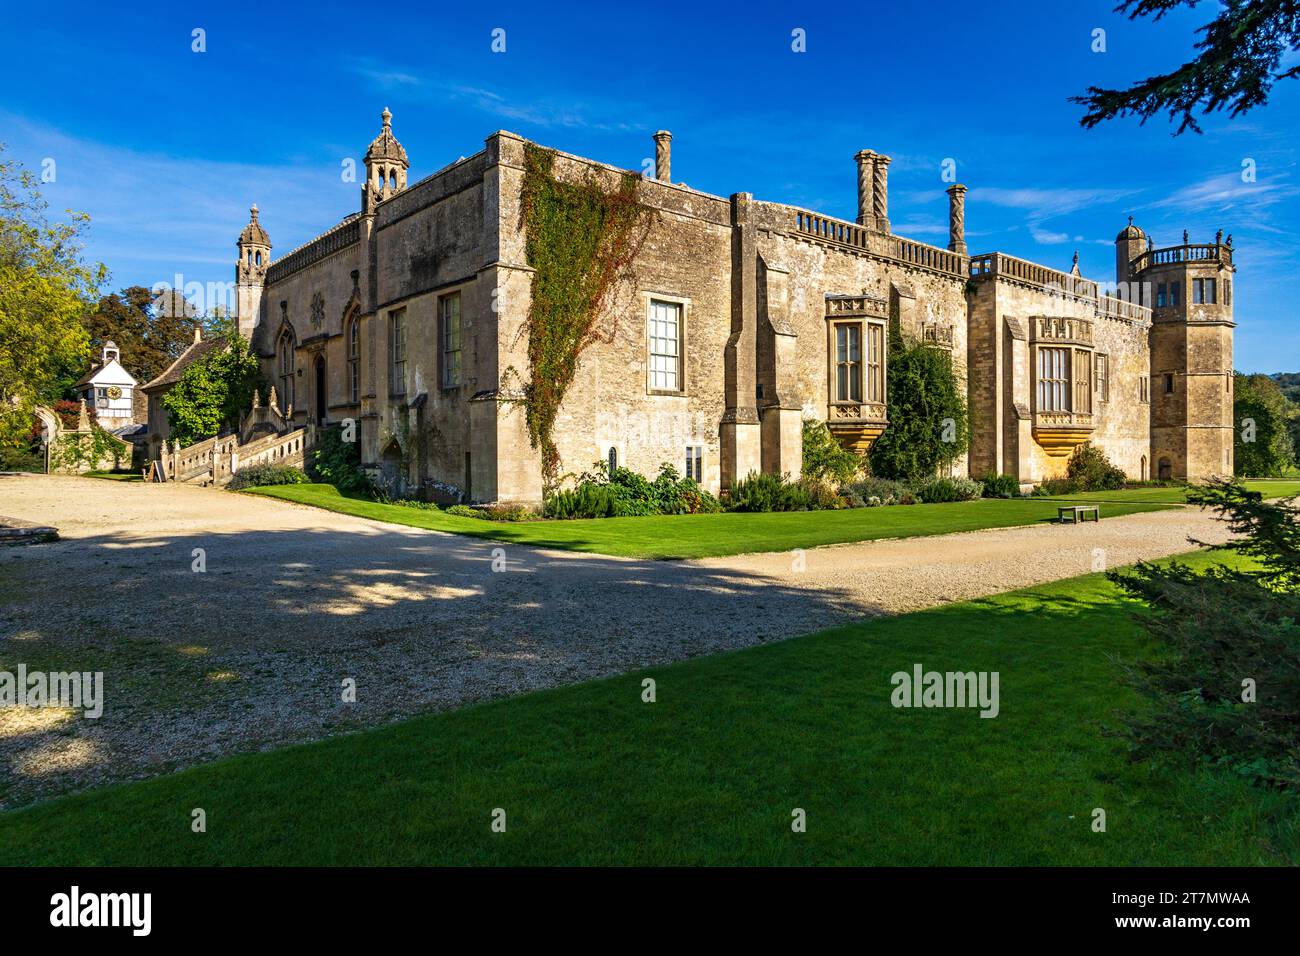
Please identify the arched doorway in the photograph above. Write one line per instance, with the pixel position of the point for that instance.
(1166, 470)
(321, 395)
(392, 469)
(1143, 471)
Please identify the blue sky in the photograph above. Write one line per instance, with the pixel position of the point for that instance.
(166, 148)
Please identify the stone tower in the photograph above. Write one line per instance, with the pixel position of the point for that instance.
(1189, 289)
(386, 165)
(250, 273)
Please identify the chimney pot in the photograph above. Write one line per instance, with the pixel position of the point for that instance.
(957, 219)
(865, 160)
(663, 155)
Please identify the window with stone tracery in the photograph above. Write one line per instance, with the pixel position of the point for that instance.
(354, 360)
(286, 368)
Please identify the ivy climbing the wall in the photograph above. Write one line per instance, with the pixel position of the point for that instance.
(581, 239)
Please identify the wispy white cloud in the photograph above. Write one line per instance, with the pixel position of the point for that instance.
(539, 112)
(1041, 204)
(153, 215)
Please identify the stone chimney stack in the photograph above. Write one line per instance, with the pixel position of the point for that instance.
(957, 219)
(865, 160)
(880, 192)
(664, 156)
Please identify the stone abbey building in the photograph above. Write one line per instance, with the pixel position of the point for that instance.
(743, 318)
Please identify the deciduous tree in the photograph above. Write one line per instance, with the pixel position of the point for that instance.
(45, 291)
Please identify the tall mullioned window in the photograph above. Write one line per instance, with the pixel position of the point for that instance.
(665, 346)
(1205, 291)
(695, 462)
(848, 363)
(1053, 380)
(449, 320)
(1103, 378)
(1082, 382)
(397, 351)
(286, 370)
(354, 360)
(875, 362)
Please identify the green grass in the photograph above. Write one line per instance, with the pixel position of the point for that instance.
(710, 773)
(698, 536)
(116, 475)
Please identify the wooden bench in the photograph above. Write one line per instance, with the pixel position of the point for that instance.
(1075, 514)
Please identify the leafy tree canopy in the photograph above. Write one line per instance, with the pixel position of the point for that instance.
(45, 291)
(152, 331)
(215, 390)
(1240, 50)
(1262, 440)
(928, 423)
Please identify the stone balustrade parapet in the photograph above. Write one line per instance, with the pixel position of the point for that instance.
(1194, 252)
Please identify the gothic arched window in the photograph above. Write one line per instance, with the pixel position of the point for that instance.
(354, 360)
(613, 460)
(286, 369)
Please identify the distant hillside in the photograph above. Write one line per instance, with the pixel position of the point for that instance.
(1290, 382)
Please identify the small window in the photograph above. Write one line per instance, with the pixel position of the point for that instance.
(612, 460)
(1212, 291)
(1161, 296)
(1175, 293)
(665, 346)
(449, 317)
(1144, 389)
(695, 462)
(1103, 378)
(397, 351)
(1169, 383)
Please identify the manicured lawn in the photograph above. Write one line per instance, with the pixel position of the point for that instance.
(710, 773)
(698, 536)
(116, 475)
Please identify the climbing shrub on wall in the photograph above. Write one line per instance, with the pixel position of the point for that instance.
(211, 393)
(581, 239)
(928, 423)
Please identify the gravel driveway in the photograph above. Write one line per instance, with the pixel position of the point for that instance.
(252, 652)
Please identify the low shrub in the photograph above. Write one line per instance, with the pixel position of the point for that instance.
(822, 496)
(462, 511)
(949, 489)
(412, 503)
(625, 493)
(1091, 470)
(260, 476)
(1058, 486)
(872, 491)
(1000, 486)
(588, 500)
(338, 463)
(761, 492)
(507, 513)
(824, 458)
